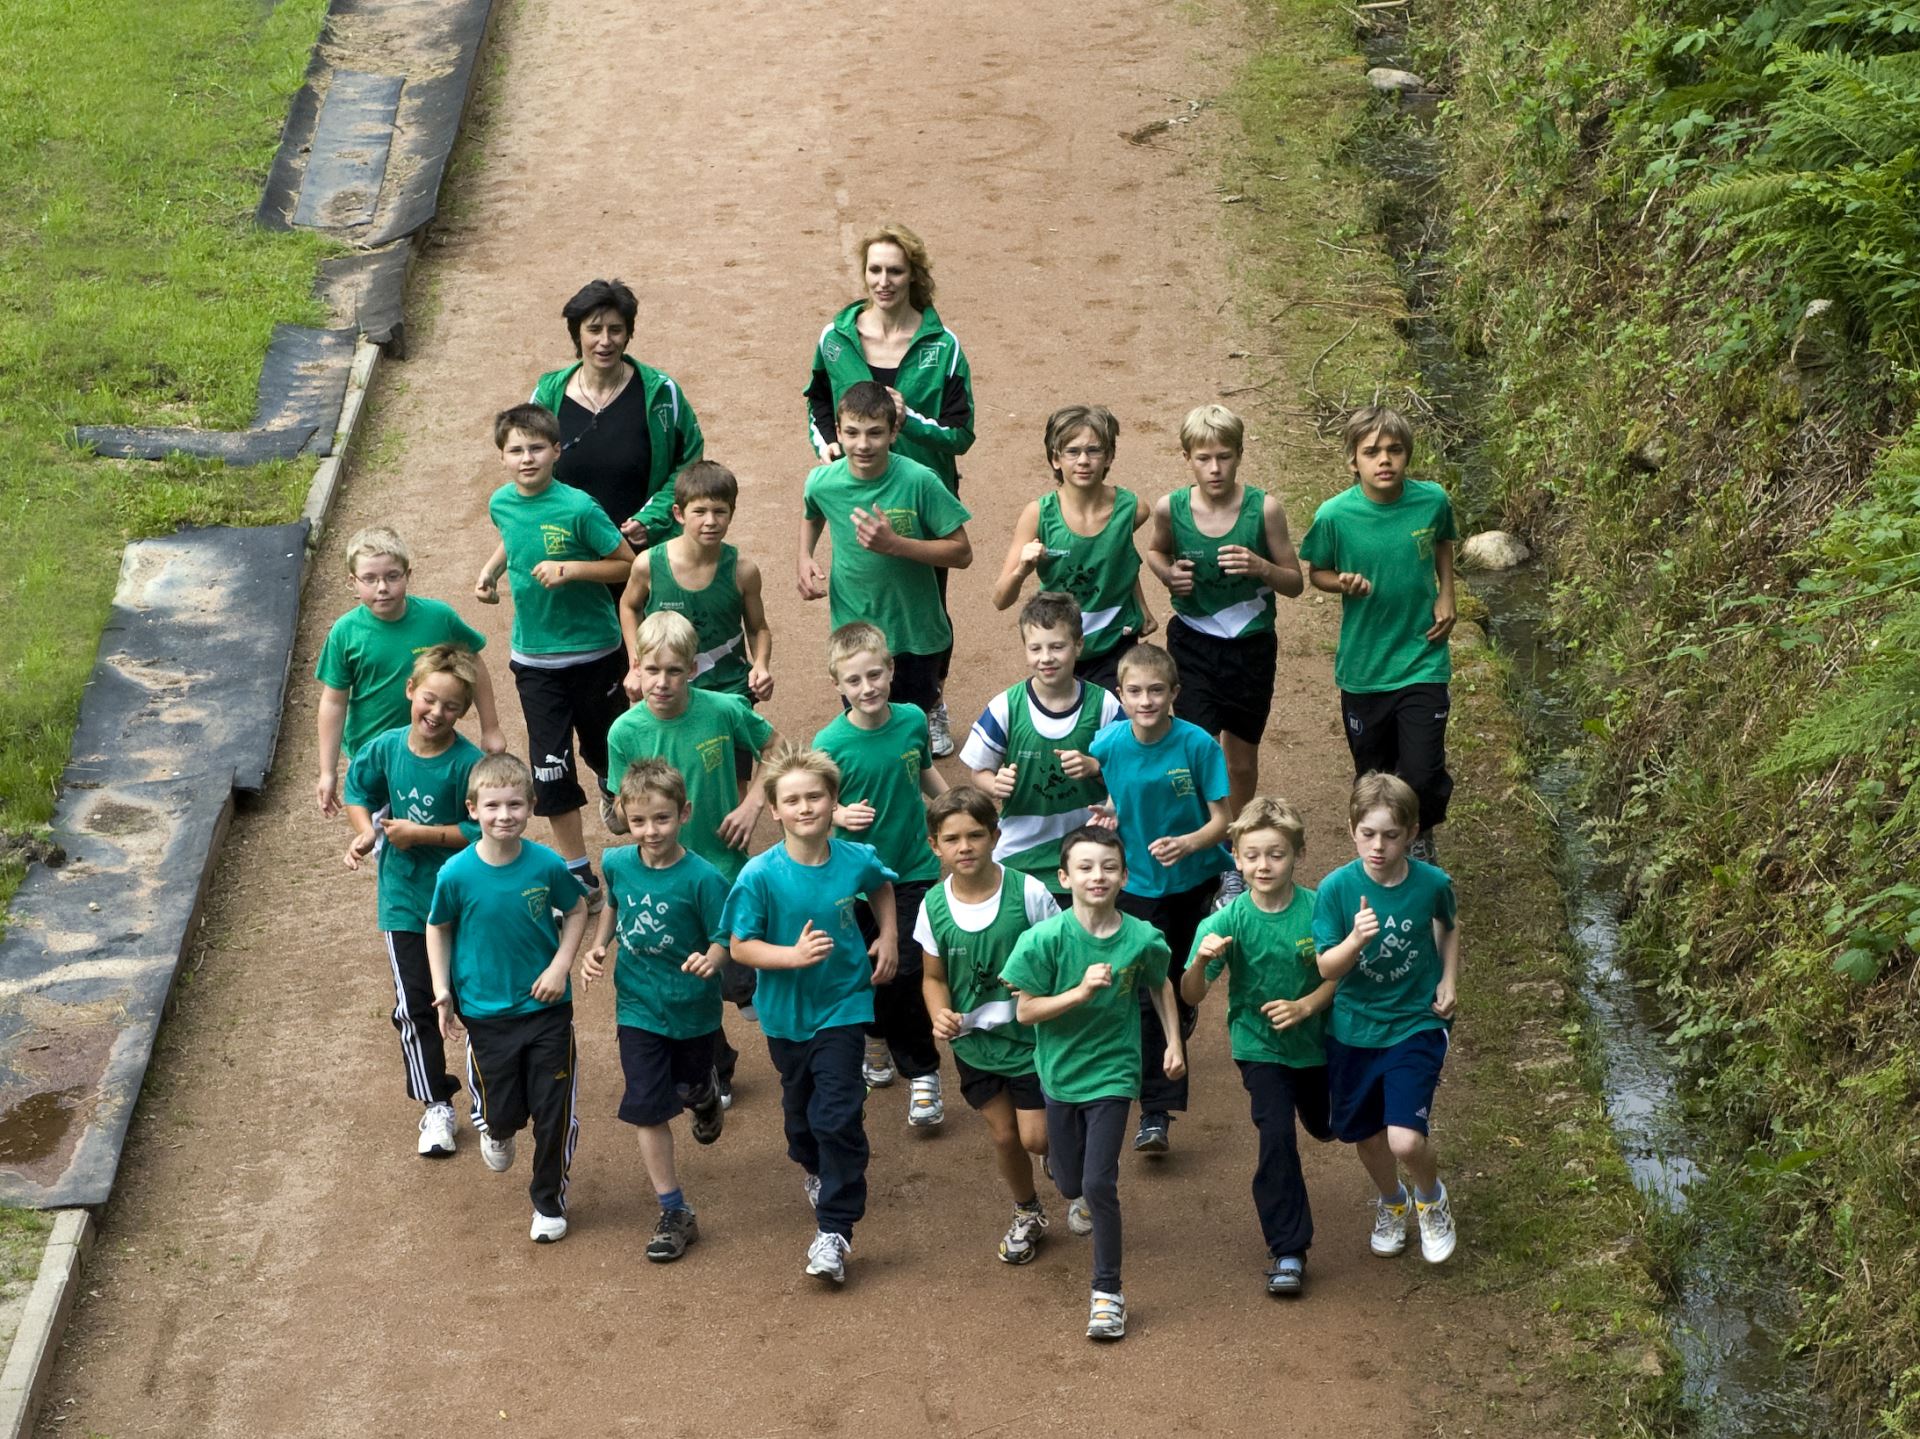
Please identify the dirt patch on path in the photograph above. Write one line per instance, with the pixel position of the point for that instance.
(279, 1262)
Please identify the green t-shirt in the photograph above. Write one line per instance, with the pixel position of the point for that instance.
(372, 660)
(1383, 634)
(1388, 995)
(715, 613)
(774, 899)
(1272, 957)
(1097, 570)
(883, 767)
(699, 742)
(505, 930)
(1093, 1050)
(900, 597)
(1222, 605)
(662, 917)
(559, 523)
(427, 789)
(972, 943)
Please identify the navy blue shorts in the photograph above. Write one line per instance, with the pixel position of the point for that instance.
(1373, 1088)
(663, 1075)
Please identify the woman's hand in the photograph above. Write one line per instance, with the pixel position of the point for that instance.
(899, 406)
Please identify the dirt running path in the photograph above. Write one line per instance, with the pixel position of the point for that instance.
(278, 1262)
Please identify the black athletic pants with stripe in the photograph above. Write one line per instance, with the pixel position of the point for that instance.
(421, 1049)
(1177, 916)
(523, 1069)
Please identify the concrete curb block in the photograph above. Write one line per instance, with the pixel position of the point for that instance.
(333, 470)
(37, 1340)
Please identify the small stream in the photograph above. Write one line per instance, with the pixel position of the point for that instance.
(1731, 1316)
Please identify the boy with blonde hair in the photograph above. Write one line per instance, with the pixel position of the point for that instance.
(1222, 550)
(885, 758)
(503, 979)
(415, 780)
(366, 664)
(666, 905)
(791, 916)
(1385, 546)
(1276, 1020)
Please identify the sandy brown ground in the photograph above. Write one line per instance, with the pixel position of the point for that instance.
(279, 1262)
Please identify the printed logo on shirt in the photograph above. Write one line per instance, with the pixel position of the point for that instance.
(844, 908)
(930, 358)
(1182, 782)
(831, 350)
(419, 805)
(663, 414)
(643, 925)
(1127, 978)
(910, 757)
(713, 752)
(554, 538)
(1307, 952)
(1423, 542)
(539, 899)
(906, 523)
(1394, 959)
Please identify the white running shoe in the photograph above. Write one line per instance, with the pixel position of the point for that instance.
(877, 1067)
(827, 1257)
(1022, 1239)
(548, 1230)
(1437, 1236)
(1389, 1226)
(939, 731)
(1107, 1319)
(1233, 884)
(436, 1131)
(812, 1185)
(1079, 1217)
(496, 1154)
(926, 1109)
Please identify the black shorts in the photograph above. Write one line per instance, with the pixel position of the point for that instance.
(584, 700)
(1226, 686)
(664, 1075)
(979, 1086)
(1104, 670)
(917, 679)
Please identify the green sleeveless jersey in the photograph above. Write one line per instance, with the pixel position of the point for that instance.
(974, 959)
(1222, 605)
(715, 615)
(1040, 786)
(1097, 570)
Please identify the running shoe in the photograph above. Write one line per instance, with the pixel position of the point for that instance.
(496, 1154)
(827, 1257)
(926, 1109)
(1437, 1235)
(1286, 1277)
(877, 1067)
(1107, 1319)
(436, 1131)
(1022, 1240)
(1389, 1226)
(674, 1231)
(548, 1228)
(938, 732)
(1079, 1217)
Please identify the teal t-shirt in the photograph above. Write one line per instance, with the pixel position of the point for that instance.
(1272, 956)
(1093, 1050)
(1388, 995)
(1161, 789)
(505, 930)
(883, 767)
(425, 789)
(372, 660)
(699, 742)
(900, 597)
(1383, 634)
(559, 523)
(662, 917)
(773, 900)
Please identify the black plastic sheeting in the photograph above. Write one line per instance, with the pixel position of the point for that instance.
(348, 162)
(182, 708)
(369, 288)
(303, 383)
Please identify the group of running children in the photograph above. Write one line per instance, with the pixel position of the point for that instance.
(1106, 861)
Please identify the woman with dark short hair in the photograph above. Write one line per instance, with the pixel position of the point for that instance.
(626, 429)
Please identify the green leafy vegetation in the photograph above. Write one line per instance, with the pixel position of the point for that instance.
(1686, 245)
(134, 288)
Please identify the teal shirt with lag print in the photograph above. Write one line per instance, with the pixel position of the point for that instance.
(1388, 995)
(426, 789)
(773, 900)
(662, 917)
(505, 930)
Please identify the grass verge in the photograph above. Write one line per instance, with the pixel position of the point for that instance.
(134, 288)
(23, 1238)
(1554, 1234)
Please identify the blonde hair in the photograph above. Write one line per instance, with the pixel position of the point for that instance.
(653, 776)
(500, 771)
(849, 640)
(453, 660)
(1267, 812)
(377, 540)
(668, 631)
(1376, 420)
(1156, 662)
(798, 759)
(919, 267)
(1377, 790)
(1212, 422)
